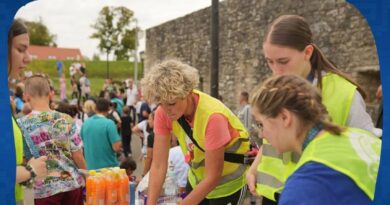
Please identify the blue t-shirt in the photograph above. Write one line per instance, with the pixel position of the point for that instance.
(315, 183)
(98, 134)
(19, 104)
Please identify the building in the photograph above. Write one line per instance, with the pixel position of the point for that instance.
(53, 53)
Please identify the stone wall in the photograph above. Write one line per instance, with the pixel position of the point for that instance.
(339, 30)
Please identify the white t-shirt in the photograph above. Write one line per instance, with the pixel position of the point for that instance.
(131, 96)
(180, 167)
(143, 126)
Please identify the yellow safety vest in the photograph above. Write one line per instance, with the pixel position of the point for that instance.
(356, 155)
(233, 174)
(18, 138)
(274, 168)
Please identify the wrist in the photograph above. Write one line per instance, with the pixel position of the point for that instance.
(29, 183)
(31, 170)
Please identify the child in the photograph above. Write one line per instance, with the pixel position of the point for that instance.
(127, 124)
(130, 166)
(55, 135)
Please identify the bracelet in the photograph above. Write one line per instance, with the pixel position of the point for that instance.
(29, 182)
(31, 170)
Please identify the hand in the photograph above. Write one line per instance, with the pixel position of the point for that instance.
(251, 181)
(39, 166)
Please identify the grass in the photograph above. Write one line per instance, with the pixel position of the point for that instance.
(96, 73)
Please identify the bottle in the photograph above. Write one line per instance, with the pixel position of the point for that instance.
(111, 187)
(100, 183)
(91, 187)
(123, 193)
(170, 186)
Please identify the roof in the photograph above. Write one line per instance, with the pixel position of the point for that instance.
(53, 53)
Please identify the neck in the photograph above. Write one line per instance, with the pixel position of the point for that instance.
(302, 135)
(40, 104)
(190, 109)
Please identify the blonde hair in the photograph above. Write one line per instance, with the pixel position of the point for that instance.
(89, 106)
(168, 81)
(37, 86)
(296, 95)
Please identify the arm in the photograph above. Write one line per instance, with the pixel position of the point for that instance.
(114, 137)
(148, 160)
(214, 160)
(78, 158)
(116, 146)
(137, 131)
(358, 116)
(38, 165)
(252, 172)
(159, 167)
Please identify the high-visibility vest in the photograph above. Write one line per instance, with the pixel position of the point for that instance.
(18, 138)
(355, 153)
(274, 168)
(233, 174)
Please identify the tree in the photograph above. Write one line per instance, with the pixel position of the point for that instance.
(40, 34)
(114, 32)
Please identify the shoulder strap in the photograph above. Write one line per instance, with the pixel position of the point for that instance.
(229, 157)
(187, 128)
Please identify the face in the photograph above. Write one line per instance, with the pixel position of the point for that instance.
(274, 130)
(20, 57)
(151, 120)
(175, 109)
(285, 60)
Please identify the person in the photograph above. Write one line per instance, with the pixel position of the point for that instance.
(114, 116)
(289, 49)
(18, 58)
(338, 165)
(75, 92)
(59, 65)
(89, 108)
(63, 87)
(127, 124)
(55, 135)
(130, 166)
(143, 130)
(180, 167)
(101, 139)
(119, 103)
(217, 135)
(379, 95)
(19, 102)
(85, 87)
(131, 93)
(245, 111)
(144, 111)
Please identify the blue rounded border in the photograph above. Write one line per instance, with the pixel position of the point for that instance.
(377, 13)
(8, 8)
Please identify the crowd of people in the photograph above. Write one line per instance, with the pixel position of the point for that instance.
(306, 127)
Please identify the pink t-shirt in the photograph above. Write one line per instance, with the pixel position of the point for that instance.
(218, 131)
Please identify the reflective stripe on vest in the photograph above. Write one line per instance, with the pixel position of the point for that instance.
(232, 178)
(337, 95)
(356, 155)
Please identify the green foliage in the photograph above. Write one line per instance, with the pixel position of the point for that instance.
(113, 30)
(40, 34)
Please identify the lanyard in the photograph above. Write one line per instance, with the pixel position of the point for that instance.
(311, 134)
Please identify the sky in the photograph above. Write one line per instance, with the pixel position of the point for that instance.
(71, 20)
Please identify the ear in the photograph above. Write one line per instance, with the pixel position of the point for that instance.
(308, 51)
(286, 117)
(26, 97)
